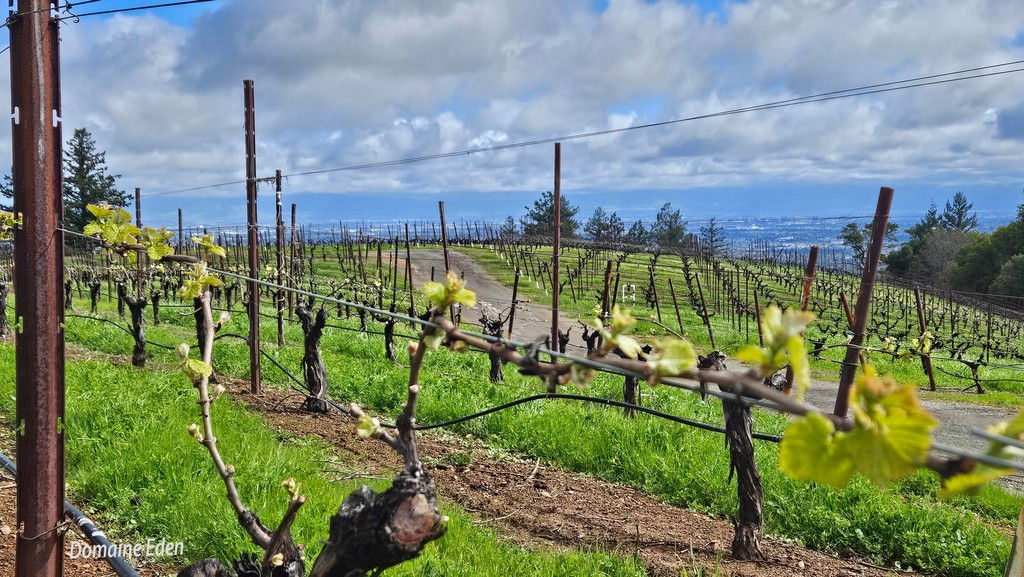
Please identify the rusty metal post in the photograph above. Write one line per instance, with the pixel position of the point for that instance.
(757, 316)
(675, 303)
(704, 312)
(863, 306)
(279, 247)
(805, 299)
(38, 287)
(408, 274)
(444, 236)
(254, 254)
(140, 258)
(606, 296)
(515, 297)
(926, 358)
(291, 267)
(556, 244)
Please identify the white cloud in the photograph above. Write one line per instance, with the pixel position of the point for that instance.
(345, 82)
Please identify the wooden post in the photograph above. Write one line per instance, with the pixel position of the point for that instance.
(926, 358)
(863, 308)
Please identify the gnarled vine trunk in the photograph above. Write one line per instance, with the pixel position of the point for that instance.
(374, 531)
(314, 370)
(137, 307)
(746, 543)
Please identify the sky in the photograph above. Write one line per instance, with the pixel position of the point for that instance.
(345, 83)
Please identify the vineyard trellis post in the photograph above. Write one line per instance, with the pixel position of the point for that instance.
(180, 236)
(39, 299)
(805, 299)
(926, 359)
(140, 259)
(704, 311)
(279, 249)
(291, 268)
(863, 307)
(254, 255)
(556, 245)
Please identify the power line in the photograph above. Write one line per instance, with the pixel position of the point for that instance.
(917, 82)
(131, 9)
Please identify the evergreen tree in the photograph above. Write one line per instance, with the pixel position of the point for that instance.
(86, 180)
(616, 228)
(857, 238)
(540, 220)
(669, 228)
(7, 191)
(929, 222)
(712, 239)
(956, 215)
(638, 236)
(597, 227)
(508, 231)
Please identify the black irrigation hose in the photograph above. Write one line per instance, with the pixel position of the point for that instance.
(509, 405)
(92, 532)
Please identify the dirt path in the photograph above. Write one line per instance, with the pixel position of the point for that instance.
(534, 321)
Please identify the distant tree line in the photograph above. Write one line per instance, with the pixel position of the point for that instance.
(667, 233)
(945, 250)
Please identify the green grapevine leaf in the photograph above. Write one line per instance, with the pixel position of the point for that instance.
(801, 366)
(808, 452)
(367, 426)
(671, 357)
(969, 483)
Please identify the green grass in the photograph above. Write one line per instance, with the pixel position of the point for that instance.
(132, 465)
(680, 465)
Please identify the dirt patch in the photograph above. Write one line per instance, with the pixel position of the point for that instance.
(533, 504)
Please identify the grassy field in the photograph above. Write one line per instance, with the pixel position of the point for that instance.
(132, 466)
(903, 523)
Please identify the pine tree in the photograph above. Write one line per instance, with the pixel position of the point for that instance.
(956, 215)
(597, 227)
(638, 236)
(7, 191)
(929, 222)
(712, 239)
(539, 221)
(669, 228)
(86, 180)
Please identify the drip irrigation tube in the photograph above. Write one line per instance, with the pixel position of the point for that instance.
(92, 532)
